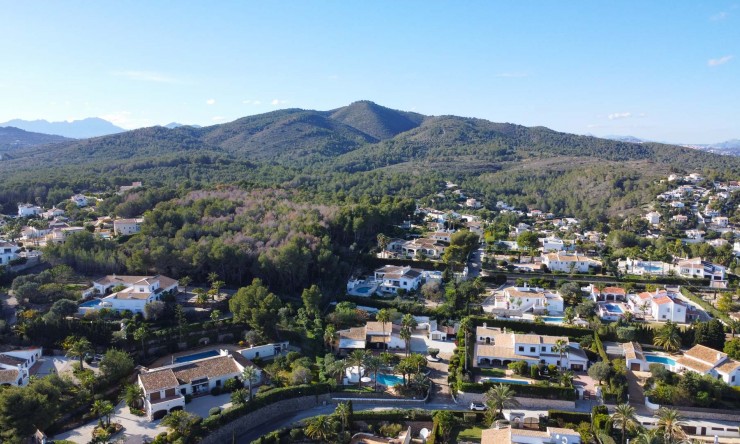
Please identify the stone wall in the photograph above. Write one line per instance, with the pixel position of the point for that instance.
(266, 414)
(527, 403)
(699, 413)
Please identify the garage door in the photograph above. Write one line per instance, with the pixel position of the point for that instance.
(635, 366)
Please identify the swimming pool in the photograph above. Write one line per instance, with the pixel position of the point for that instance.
(660, 360)
(389, 380)
(506, 381)
(92, 303)
(612, 308)
(553, 319)
(362, 290)
(196, 356)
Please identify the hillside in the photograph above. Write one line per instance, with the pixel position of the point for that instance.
(368, 150)
(12, 138)
(77, 129)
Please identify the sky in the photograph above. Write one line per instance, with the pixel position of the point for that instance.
(660, 70)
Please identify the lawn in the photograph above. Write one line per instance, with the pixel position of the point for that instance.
(471, 434)
(493, 372)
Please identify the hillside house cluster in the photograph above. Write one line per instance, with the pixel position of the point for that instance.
(16, 367)
(135, 293)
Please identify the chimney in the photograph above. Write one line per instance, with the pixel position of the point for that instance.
(485, 325)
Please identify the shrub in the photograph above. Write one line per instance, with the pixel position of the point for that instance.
(525, 391)
(215, 391)
(534, 372)
(390, 430)
(519, 367)
(214, 411)
(569, 417)
(232, 384)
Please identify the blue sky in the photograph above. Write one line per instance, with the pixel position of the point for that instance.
(662, 70)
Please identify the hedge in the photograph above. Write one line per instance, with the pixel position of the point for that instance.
(393, 415)
(569, 417)
(524, 326)
(525, 391)
(376, 262)
(262, 400)
(415, 308)
(600, 348)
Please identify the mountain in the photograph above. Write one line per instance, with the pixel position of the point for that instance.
(173, 125)
(14, 138)
(631, 139)
(76, 129)
(727, 148)
(365, 150)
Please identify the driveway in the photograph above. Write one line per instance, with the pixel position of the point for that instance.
(56, 364)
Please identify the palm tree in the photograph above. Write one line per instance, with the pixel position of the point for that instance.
(648, 437)
(668, 337)
(330, 334)
(140, 334)
(133, 394)
(250, 375)
(498, 397)
(180, 422)
(466, 325)
(336, 369)
(566, 378)
(405, 334)
(79, 349)
(343, 412)
(408, 324)
(201, 296)
(373, 365)
(624, 418)
(358, 358)
(383, 316)
(670, 424)
(103, 409)
(215, 314)
(319, 428)
(560, 347)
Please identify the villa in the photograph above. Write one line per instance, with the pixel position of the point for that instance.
(525, 299)
(421, 247)
(393, 278)
(634, 357)
(700, 269)
(136, 293)
(508, 435)
(165, 387)
(29, 210)
(708, 361)
(497, 348)
(15, 366)
(8, 252)
(661, 305)
(127, 227)
(375, 335)
(79, 199)
(569, 263)
(608, 294)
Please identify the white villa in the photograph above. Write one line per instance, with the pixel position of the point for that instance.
(708, 361)
(138, 291)
(28, 210)
(653, 218)
(165, 387)
(569, 263)
(393, 278)
(424, 246)
(552, 243)
(80, 200)
(607, 294)
(497, 348)
(15, 366)
(634, 357)
(376, 335)
(526, 299)
(660, 305)
(8, 252)
(508, 435)
(698, 268)
(127, 226)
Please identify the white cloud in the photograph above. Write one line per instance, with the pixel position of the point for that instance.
(211, 102)
(218, 118)
(252, 102)
(126, 120)
(146, 76)
(512, 75)
(720, 61)
(614, 116)
(276, 102)
(718, 16)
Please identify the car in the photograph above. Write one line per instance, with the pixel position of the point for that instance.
(478, 406)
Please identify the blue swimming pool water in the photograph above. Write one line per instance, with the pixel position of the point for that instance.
(507, 381)
(196, 356)
(651, 268)
(611, 308)
(660, 360)
(389, 380)
(553, 319)
(93, 303)
(363, 290)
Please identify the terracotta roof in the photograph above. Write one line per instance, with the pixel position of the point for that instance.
(487, 331)
(356, 333)
(496, 436)
(244, 362)
(513, 293)
(613, 290)
(633, 350)
(561, 431)
(568, 258)
(706, 354)
(377, 327)
(9, 376)
(11, 360)
(529, 433)
(663, 300)
(158, 380)
(692, 364)
(206, 368)
(497, 351)
(645, 295)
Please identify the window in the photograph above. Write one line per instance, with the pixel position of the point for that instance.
(544, 349)
(532, 349)
(733, 379)
(521, 349)
(218, 383)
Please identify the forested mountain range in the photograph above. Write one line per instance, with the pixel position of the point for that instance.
(368, 150)
(76, 129)
(12, 138)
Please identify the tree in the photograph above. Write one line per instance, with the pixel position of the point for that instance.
(215, 315)
(116, 364)
(497, 398)
(154, 310)
(600, 371)
(725, 304)
(330, 335)
(383, 316)
(23, 410)
(181, 320)
(343, 413)
(62, 308)
(103, 409)
(585, 309)
(184, 281)
(466, 325)
(732, 348)
(357, 359)
(560, 347)
(250, 375)
(311, 299)
(446, 421)
(255, 305)
(668, 337)
(78, 348)
(571, 293)
(624, 418)
(529, 241)
(648, 437)
(320, 428)
(201, 296)
(408, 324)
(670, 424)
(180, 422)
(141, 334)
(373, 365)
(569, 315)
(133, 395)
(710, 334)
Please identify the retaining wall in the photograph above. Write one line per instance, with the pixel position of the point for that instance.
(266, 414)
(528, 403)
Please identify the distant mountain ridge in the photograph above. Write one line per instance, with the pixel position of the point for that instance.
(13, 138)
(76, 129)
